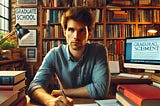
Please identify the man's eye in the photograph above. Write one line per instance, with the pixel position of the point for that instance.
(71, 29)
(82, 30)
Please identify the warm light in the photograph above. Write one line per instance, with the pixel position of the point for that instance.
(152, 30)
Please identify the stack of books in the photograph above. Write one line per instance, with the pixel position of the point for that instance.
(12, 87)
(120, 16)
(138, 95)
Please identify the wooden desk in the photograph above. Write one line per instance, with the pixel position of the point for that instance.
(26, 101)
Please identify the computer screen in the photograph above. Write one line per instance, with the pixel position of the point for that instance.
(142, 53)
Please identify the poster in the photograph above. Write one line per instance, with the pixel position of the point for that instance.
(26, 2)
(26, 16)
(29, 39)
(31, 54)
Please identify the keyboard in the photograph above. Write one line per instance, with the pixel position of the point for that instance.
(129, 75)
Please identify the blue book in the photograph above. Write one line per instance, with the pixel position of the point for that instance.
(11, 77)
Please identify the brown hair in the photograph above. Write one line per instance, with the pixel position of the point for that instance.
(82, 15)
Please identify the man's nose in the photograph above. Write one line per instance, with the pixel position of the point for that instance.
(75, 34)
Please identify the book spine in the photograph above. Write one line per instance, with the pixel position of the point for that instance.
(6, 80)
(131, 96)
(123, 100)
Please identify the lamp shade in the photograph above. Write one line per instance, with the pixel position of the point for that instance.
(21, 31)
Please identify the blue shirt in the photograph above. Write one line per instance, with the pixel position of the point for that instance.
(90, 70)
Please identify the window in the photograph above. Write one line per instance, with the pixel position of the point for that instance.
(4, 15)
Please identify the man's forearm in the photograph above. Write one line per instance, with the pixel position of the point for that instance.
(41, 96)
(77, 92)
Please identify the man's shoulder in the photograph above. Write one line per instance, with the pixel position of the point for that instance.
(96, 45)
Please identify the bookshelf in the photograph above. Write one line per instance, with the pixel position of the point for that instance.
(115, 23)
(51, 31)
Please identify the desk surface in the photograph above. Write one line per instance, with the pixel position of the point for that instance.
(78, 101)
(27, 102)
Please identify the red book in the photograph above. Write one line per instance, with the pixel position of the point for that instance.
(141, 94)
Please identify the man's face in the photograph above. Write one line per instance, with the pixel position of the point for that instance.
(76, 35)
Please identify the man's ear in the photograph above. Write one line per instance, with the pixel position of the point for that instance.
(89, 34)
(64, 31)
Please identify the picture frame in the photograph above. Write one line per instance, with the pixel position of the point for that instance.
(30, 39)
(27, 2)
(26, 16)
(31, 54)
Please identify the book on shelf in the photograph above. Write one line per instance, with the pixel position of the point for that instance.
(140, 94)
(144, 2)
(124, 100)
(11, 77)
(15, 87)
(8, 97)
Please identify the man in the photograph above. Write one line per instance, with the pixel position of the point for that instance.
(81, 67)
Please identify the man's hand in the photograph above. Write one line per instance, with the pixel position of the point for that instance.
(43, 97)
(60, 101)
(56, 93)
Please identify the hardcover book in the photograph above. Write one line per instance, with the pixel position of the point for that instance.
(8, 97)
(141, 94)
(11, 77)
(124, 100)
(15, 87)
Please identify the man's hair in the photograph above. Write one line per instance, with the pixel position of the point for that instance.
(82, 15)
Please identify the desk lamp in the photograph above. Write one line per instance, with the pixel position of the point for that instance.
(21, 32)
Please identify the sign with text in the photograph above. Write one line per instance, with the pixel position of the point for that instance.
(27, 2)
(26, 16)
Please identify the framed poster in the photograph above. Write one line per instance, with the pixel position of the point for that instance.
(26, 16)
(29, 39)
(31, 54)
(27, 2)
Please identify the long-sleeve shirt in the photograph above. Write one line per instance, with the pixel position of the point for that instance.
(90, 71)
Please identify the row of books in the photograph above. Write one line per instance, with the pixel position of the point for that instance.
(149, 15)
(53, 31)
(138, 95)
(134, 2)
(128, 15)
(70, 3)
(47, 45)
(115, 46)
(54, 15)
(129, 30)
(12, 87)
(120, 15)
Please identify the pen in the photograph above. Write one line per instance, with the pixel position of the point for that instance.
(63, 94)
(61, 87)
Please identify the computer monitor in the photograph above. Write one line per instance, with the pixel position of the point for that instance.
(142, 53)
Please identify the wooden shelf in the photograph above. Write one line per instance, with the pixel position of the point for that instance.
(16, 64)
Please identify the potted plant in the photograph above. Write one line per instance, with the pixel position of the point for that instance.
(7, 47)
(10, 43)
